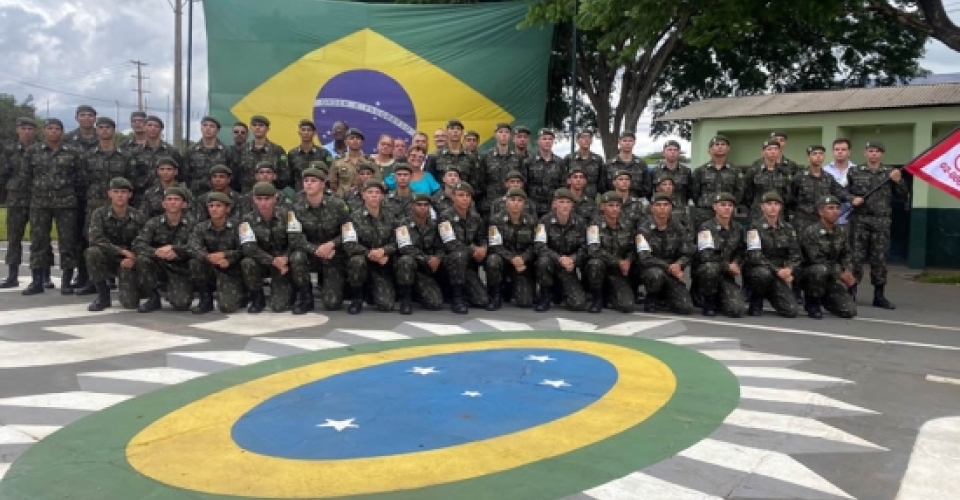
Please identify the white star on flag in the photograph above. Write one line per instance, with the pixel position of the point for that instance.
(539, 359)
(471, 394)
(556, 384)
(340, 425)
(418, 370)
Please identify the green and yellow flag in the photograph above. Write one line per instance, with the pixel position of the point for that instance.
(383, 68)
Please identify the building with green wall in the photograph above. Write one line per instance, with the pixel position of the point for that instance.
(907, 119)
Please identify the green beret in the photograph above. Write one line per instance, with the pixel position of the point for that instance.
(264, 189)
(106, 120)
(220, 169)
(307, 123)
(771, 142)
(454, 122)
(53, 121)
(421, 197)
(176, 191)
(875, 145)
(585, 131)
(503, 125)
(315, 172)
(574, 169)
(166, 160)
(255, 119)
(816, 147)
(514, 174)
(366, 166)
(138, 114)
(778, 133)
(661, 196)
(155, 119)
(522, 129)
(620, 172)
(403, 166)
(356, 132)
(546, 131)
(463, 186)
(120, 183)
(317, 164)
(26, 122)
(85, 108)
(724, 196)
(472, 133)
(210, 119)
(628, 133)
(373, 183)
(563, 193)
(218, 196)
(771, 196)
(516, 192)
(719, 138)
(664, 178)
(828, 200)
(611, 197)
(265, 164)
(671, 143)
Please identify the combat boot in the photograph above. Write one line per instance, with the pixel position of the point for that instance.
(709, 307)
(406, 299)
(47, 282)
(496, 299)
(457, 304)
(36, 284)
(797, 293)
(304, 300)
(112, 283)
(152, 304)
(89, 288)
(257, 302)
(879, 300)
(756, 305)
(596, 305)
(103, 297)
(356, 300)
(853, 293)
(650, 302)
(82, 279)
(813, 308)
(205, 304)
(65, 280)
(543, 301)
(11, 280)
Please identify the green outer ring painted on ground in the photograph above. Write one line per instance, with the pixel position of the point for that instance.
(86, 460)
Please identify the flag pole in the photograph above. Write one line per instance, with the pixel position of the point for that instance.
(189, 68)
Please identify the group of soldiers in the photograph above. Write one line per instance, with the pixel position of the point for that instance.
(514, 223)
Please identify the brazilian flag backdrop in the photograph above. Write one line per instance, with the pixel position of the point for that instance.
(383, 68)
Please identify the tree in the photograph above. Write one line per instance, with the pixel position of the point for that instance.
(928, 17)
(10, 110)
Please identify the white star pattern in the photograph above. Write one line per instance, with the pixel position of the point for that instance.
(377, 103)
(556, 384)
(340, 425)
(471, 394)
(539, 359)
(418, 370)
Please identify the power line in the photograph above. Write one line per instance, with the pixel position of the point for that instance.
(71, 94)
(140, 78)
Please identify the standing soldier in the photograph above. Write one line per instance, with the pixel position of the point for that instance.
(512, 252)
(419, 257)
(545, 173)
(399, 200)
(464, 237)
(611, 251)
(772, 259)
(560, 246)
(240, 133)
(84, 137)
(258, 150)
(453, 155)
(626, 160)
(443, 199)
(471, 142)
(15, 176)
(216, 254)
(267, 236)
(714, 177)
(828, 264)
(152, 203)
(56, 171)
(354, 195)
(494, 165)
(719, 255)
(219, 183)
(871, 218)
(664, 250)
(266, 172)
(203, 155)
(769, 175)
(666, 185)
(790, 165)
(138, 120)
(588, 162)
(320, 216)
(583, 205)
(162, 255)
(344, 170)
(147, 155)
(303, 155)
(521, 144)
(632, 208)
(368, 239)
(671, 166)
(514, 180)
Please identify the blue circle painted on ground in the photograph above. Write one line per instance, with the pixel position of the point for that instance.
(368, 100)
(396, 410)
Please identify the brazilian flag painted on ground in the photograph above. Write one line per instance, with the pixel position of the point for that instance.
(384, 68)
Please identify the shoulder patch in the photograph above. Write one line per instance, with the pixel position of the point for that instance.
(246, 234)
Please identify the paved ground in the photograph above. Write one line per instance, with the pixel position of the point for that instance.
(827, 409)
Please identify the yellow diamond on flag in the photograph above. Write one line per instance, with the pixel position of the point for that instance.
(374, 85)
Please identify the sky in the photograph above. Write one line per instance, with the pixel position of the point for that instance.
(68, 52)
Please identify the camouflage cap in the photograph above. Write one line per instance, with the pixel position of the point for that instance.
(176, 191)
(255, 119)
(816, 147)
(356, 132)
(522, 129)
(546, 131)
(770, 142)
(53, 121)
(421, 198)
(724, 196)
(138, 114)
(472, 133)
(514, 174)
(503, 125)
(166, 160)
(463, 186)
(86, 108)
(563, 193)
(315, 172)
(264, 189)
(771, 196)
(120, 183)
(366, 167)
(719, 138)
(210, 119)
(25, 121)
(661, 196)
(454, 122)
(319, 165)
(611, 197)
(402, 166)
(875, 145)
(265, 165)
(220, 169)
(828, 200)
(216, 196)
(516, 192)
(374, 184)
(671, 144)
(662, 179)
(620, 172)
(778, 133)
(628, 133)
(154, 118)
(452, 168)
(307, 123)
(576, 169)
(106, 120)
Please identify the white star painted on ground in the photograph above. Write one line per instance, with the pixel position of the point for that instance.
(556, 384)
(423, 371)
(377, 103)
(471, 394)
(540, 359)
(340, 425)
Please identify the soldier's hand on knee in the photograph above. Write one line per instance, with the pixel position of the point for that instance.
(734, 268)
(127, 263)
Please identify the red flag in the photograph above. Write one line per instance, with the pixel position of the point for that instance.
(940, 165)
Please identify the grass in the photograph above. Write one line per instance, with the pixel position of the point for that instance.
(940, 278)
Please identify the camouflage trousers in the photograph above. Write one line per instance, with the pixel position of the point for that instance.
(463, 270)
(523, 283)
(281, 285)
(871, 244)
(603, 278)
(378, 279)
(765, 283)
(820, 282)
(329, 272)
(228, 283)
(103, 266)
(416, 274)
(666, 287)
(17, 219)
(550, 272)
(716, 283)
(41, 252)
(151, 271)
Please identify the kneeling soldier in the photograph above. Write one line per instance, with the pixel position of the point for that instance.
(368, 238)
(773, 259)
(267, 236)
(162, 254)
(610, 251)
(664, 250)
(719, 254)
(112, 231)
(512, 253)
(220, 176)
(464, 239)
(560, 245)
(828, 264)
(420, 254)
(215, 249)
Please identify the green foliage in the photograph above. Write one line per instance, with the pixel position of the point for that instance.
(10, 110)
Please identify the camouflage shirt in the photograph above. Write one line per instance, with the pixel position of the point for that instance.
(299, 160)
(56, 175)
(682, 183)
(263, 239)
(112, 233)
(662, 247)
(321, 223)
(158, 232)
(499, 207)
(492, 171)
(398, 205)
(200, 212)
(879, 204)
(825, 247)
(461, 232)
(639, 175)
(15, 175)
(365, 232)
(773, 247)
(807, 188)
(152, 203)
(206, 239)
(419, 242)
(199, 160)
(251, 156)
(343, 172)
(610, 244)
(147, 156)
(708, 180)
(718, 244)
(465, 163)
(508, 239)
(554, 240)
(592, 167)
(85, 144)
(101, 166)
(545, 177)
(761, 180)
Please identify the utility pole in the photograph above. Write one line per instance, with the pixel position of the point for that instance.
(189, 69)
(140, 78)
(177, 73)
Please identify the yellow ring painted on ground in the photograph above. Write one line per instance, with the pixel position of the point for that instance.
(192, 447)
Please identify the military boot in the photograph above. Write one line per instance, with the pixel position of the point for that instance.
(853, 292)
(89, 288)
(82, 279)
(596, 305)
(356, 300)
(11, 281)
(304, 300)
(103, 297)
(543, 301)
(112, 283)
(65, 280)
(205, 304)
(152, 304)
(257, 302)
(879, 300)
(406, 299)
(457, 304)
(709, 307)
(756, 305)
(496, 299)
(36, 284)
(650, 302)
(813, 308)
(797, 292)
(47, 282)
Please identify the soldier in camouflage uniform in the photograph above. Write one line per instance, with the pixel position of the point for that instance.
(453, 155)
(84, 137)
(302, 156)
(464, 237)
(344, 170)
(632, 208)
(588, 162)
(354, 196)
(443, 199)
(219, 183)
(514, 180)
(137, 125)
(494, 168)
(626, 160)
(216, 254)
(265, 173)
(206, 153)
(718, 260)
(521, 145)
(399, 200)
(512, 252)
(671, 166)
(871, 218)
(827, 264)
(664, 249)
(56, 170)
(321, 215)
(419, 257)
(791, 166)
(611, 253)
(583, 205)
(162, 255)
(772, 259)
(15, 175)
(560, 246)
(769, 175)
(714, 177)
(545, 173)
(113, 228)
(258, 150)
(471, 143)
(666, 185)
(267, 236)
(152, 203)
(369, 241)
(147, 155)
(811, 184)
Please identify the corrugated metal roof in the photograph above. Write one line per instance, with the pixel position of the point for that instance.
(827, 101)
